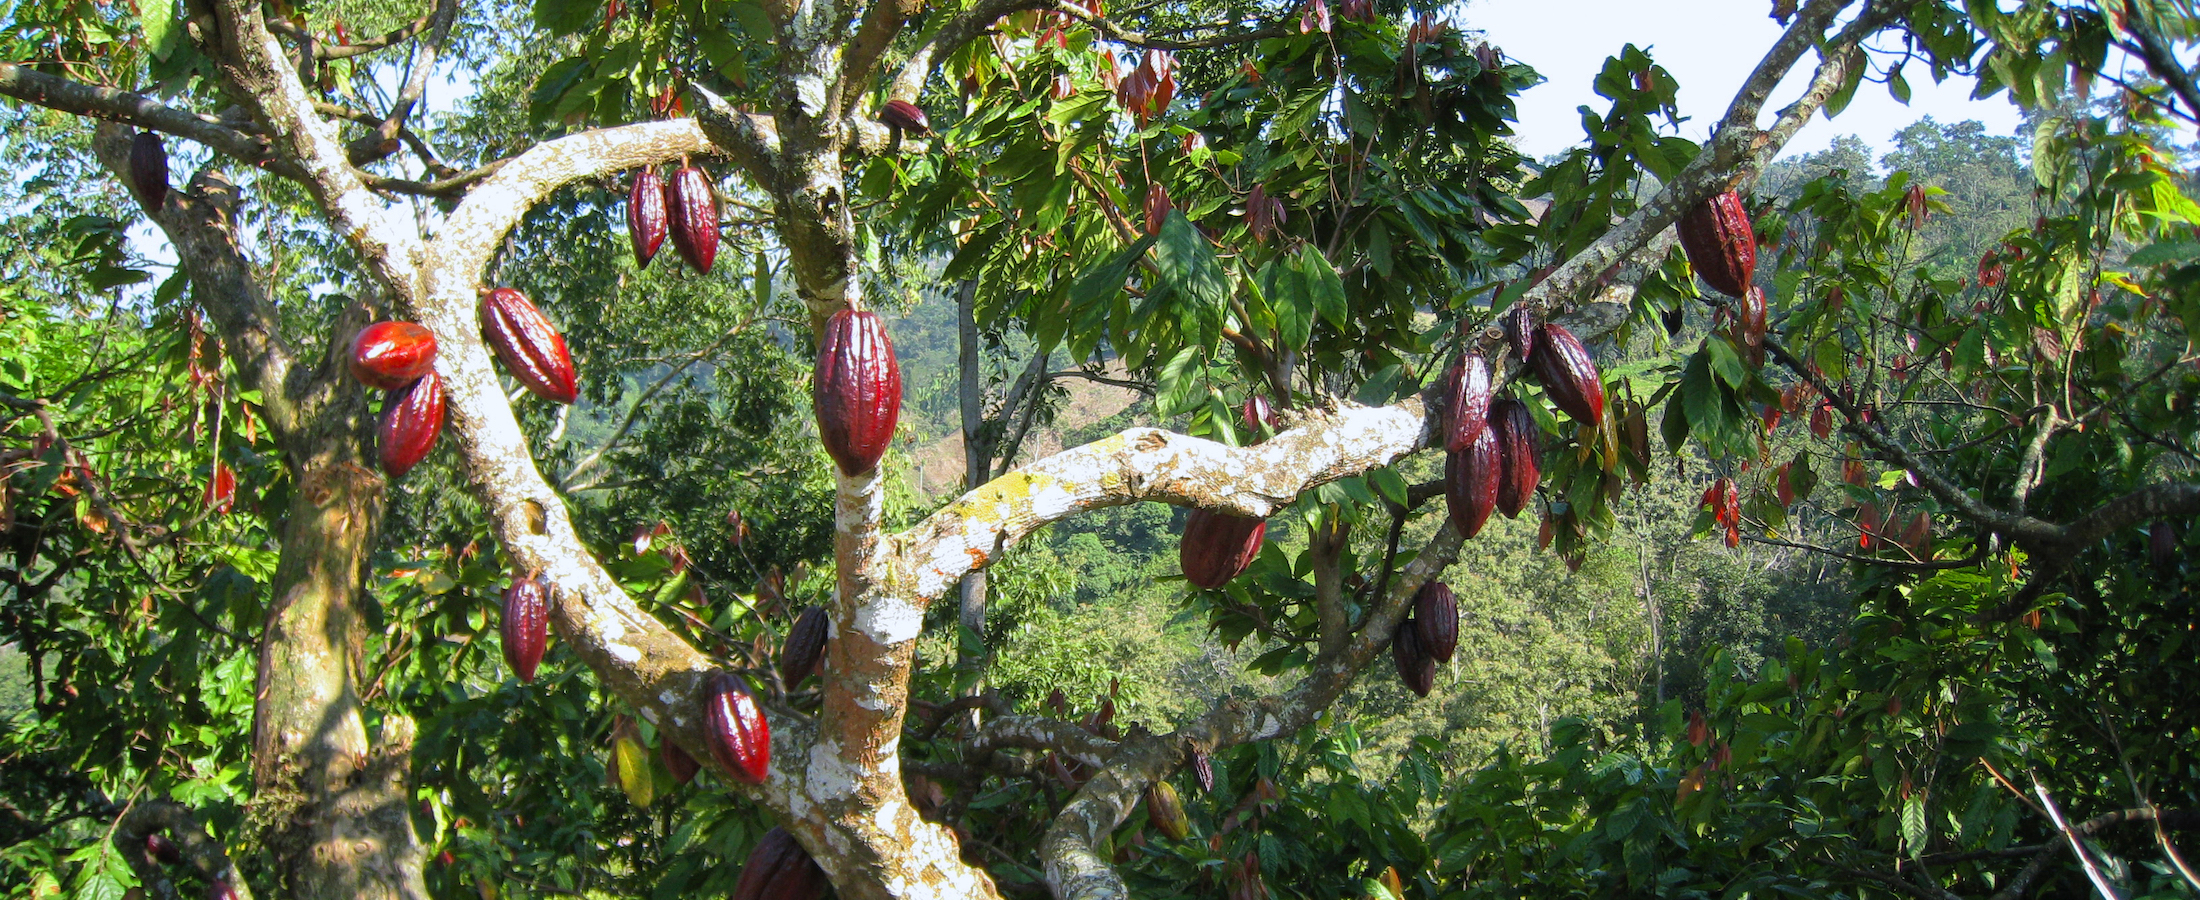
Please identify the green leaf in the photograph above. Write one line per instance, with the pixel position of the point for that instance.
(566, 16)
(1185, 265)
(1322, 284)
(158, 19)
(103, 876)
(1913, 823)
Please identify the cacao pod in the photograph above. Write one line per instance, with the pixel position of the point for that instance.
(1166, 811)
(1415, 667)
(220, 889)
(1436, 621)
(1218, 546)
(410, 424)
(677, 761)
(694, 216)
(1470, 484)
(1203, 770)
(1258, 413)
(1518, 453)
(392, 355)
(804, 651)
(1520, 330)
(525, 624)
(221, 488)
(740, 738)
(779, 869)
(645, 216)
(2162, 545)
(1721, 243)
(1568, 374)
(1468, 402)
(532, 350)
(163, 849)
(856, 390)
(905, 116)
(149, 169)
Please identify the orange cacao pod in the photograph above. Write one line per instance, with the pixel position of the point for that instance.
(1436, 621)
(149, 169)
(410, 424)
(532, 350)
(1518, 453)
(645, 216)
(856, 390)
(392, 355)
(804, 651)
(525, 625)
(1568, 374)
(694, 216)
(1467, 403)
(779, 869)
(740, 738)
(1721, 243)
(1217, 546)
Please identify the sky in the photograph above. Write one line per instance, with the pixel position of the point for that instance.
(1709, 46)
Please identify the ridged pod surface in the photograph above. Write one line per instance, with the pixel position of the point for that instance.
(1470, 484)
(410, 424)
(779, 869)
(1166, 811)
(694, 216)
(740, 739)
(1436, 621)
(1217, 546)
(525, 625)
(1415, 667)
(1519, 330)
(856, 390)
(677, 761)
(1568, 374)
(804, 650)
(149, 168)
(1721, 243)
(1467, 406)
(532, 350)
(1203, 770)
(906, 116)
(392, 355)
(645, 215)
(1518, 453)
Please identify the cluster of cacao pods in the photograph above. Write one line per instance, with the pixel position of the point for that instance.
(779, 869)
(1498, 469)
(1721, 243)
(1425, 637)
(804, 652)
(683, 208)
(739, 737)
(1149, 87)
(524, 624)
(400, 357)
(530, 347)
(1218, 546)
(149, 169)
(856, 390)
(1493, 445)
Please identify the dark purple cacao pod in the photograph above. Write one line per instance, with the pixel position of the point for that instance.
(646, 224)
(392, 355)
(1436, 621)
(149, 169)
(1470, 484)
(804, 651)
(779, 869)
(2162, 547)
(1468, 404)
(1415, 667)
(163, 849)
(1519, 455)
(677, 761)
(1256, 413)
(525, 624)
(1217, 546)
(1520, 329)
(694, 216)
(856, 390)
(1203, 770)
(1568, 374)
(740, 738)
(532, 350)
(1721, 243)
(906, 116)
(411, 421)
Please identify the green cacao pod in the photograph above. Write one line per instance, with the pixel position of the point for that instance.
(1568, 374)
(532, 350)
(1217, 546)
(1467, 405)
(1436, 620)
(1470, 484)
(410, 424)
(1166, 811)
(392, 355)
(1415, 667)
(804, 651)
(856, 390)
(740, 738)
(694, 216)
(1518, 454)
(646, 224)
(525, 625)
(149, 169)
(1721, 243)
(779, 869)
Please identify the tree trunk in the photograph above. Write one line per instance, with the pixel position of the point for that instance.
(977, 470)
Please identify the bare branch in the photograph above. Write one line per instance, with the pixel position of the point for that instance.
(948, 38)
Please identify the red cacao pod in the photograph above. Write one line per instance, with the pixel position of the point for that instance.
(163, 849)
(149, 169)
(856, 390)
(1470, 484)
(779, 869)
(1467, 403)
(1217, 546)
(532, 350)
(1721, 243)
(410, 424)
(1568, 374)
(646, 224)
(804, 651)
(677, 761)
(1520, 330)
(1203, 770)
(1519, 455)
(525, 625)
(694, 216)
(740, 738)
(392, 355)
(906, 116)
(1415, 667)
(1436, 621)
(1257, 413)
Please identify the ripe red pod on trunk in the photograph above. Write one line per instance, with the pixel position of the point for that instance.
(906, 116)
(1568, 374)
(1519, 455)
(392, 355)
(779, 869)
(694, 216)
(525, 625)
(1721, 243)
(1520, 330)
(1415, 667)
(410, 424)
(532, 350)
(1470, 484)
(646, 224)
(677, 761)
(1217, 546)
(163, 849)
(1468, 402)
(740, 739)
(149, 169)
(856, 390)
(804, 651)
(1436, 621)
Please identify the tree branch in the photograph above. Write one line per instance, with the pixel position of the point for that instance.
(57, 93)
